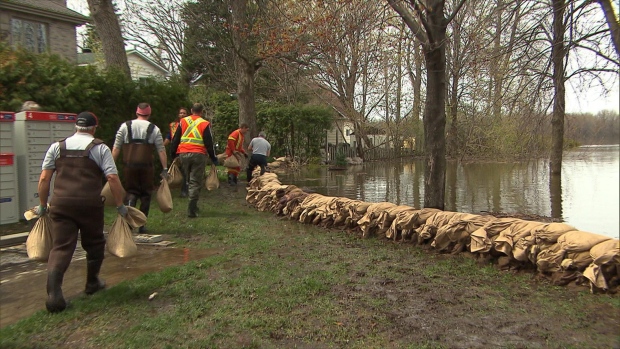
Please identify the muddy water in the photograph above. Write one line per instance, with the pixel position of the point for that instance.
(22, 282)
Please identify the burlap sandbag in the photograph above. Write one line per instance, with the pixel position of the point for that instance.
(232, 161)
(164, 198)
(120, 242)
(106, 194)
(175, 176)
(577, 241)
(212, 181)
(135, 217)
(603, 253)
(39, 242)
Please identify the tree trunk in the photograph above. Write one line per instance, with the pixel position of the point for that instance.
(558, 51)
(612, 22)
(435, 123)
(109, 31)
(245, 90)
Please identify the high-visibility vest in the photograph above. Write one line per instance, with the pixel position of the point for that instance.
(237, 137)
(192, 127)
(173, 128)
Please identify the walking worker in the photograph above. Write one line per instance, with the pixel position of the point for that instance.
(235, 144)
(137, 139)
(77, 206)
(192, 141)
(260, 149)
(173, 128)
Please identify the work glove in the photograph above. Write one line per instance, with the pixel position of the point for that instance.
(164, 173)
(246, 155)
(215, 162)
(122, 210)
(41, 210)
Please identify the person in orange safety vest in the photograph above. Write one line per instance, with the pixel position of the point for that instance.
(192, 142)
(235, 144)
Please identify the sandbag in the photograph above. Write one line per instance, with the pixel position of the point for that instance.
(577, 241)
(232, 161)
(39, 242)
(135, 218)
(212, 181)
(107, 197)
(164, 197)
(120, 242)
(175, 175)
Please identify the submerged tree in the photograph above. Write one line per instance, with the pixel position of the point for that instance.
(428, 22)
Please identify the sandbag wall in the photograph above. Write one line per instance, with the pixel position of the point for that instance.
(554, 249)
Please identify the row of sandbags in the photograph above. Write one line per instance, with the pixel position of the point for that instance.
(556, 249)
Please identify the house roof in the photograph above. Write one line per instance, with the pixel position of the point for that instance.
(45, 8)
(146, 58)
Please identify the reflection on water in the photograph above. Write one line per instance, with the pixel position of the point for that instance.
(586, 196)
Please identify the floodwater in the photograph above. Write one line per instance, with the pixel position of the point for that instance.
(22, 282)
(586, 197)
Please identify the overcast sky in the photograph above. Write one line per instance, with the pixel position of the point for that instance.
(586, 100)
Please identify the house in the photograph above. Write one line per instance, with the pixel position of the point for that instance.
(40, 26)
(140, 65)
(341, 131)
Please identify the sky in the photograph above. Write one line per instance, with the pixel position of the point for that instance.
(578, 100)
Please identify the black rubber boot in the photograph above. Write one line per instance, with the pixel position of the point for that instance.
(93, 283)
(192, 207)
(231, 180)
(55, 301)
(131, 200)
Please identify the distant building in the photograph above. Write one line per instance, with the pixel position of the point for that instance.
(40, 26)
(141, 66)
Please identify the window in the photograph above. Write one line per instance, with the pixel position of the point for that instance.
(29, 35)
(348, 132)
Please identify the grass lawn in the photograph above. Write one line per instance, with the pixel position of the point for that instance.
(280, 284)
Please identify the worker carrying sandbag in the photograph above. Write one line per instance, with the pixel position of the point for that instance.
(79, 162)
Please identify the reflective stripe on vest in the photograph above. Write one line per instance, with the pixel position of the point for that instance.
(192, 134)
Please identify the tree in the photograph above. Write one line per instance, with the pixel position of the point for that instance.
(612, 22)
(428, 23)
(109, 32)
(558, 54)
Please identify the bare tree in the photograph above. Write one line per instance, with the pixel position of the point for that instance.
(428, 23)
(558, 54)
(612, 22)
(109, 32)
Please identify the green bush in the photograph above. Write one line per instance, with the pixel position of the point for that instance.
(58, 85)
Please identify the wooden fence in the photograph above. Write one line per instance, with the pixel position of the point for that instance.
(369, 154)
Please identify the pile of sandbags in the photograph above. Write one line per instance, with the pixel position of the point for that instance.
(555, 249)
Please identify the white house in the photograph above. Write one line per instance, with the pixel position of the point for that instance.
(140, 65)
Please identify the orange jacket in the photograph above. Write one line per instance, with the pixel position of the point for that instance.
(235, 142)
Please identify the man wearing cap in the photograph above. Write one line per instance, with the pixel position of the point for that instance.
(79, 161)
(260, 149)
(137, 139)
(235, 145)
(192, 141)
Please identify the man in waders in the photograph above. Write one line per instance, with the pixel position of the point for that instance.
(79, 161)
(192, 141)
(138, 138)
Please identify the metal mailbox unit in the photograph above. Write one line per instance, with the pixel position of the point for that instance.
(34, 132)
(9, 199)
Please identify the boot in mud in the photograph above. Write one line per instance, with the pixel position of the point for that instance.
(55, 301)
(192, 208)
(93, 282)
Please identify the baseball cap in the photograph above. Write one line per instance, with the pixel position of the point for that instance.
(86, 119)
